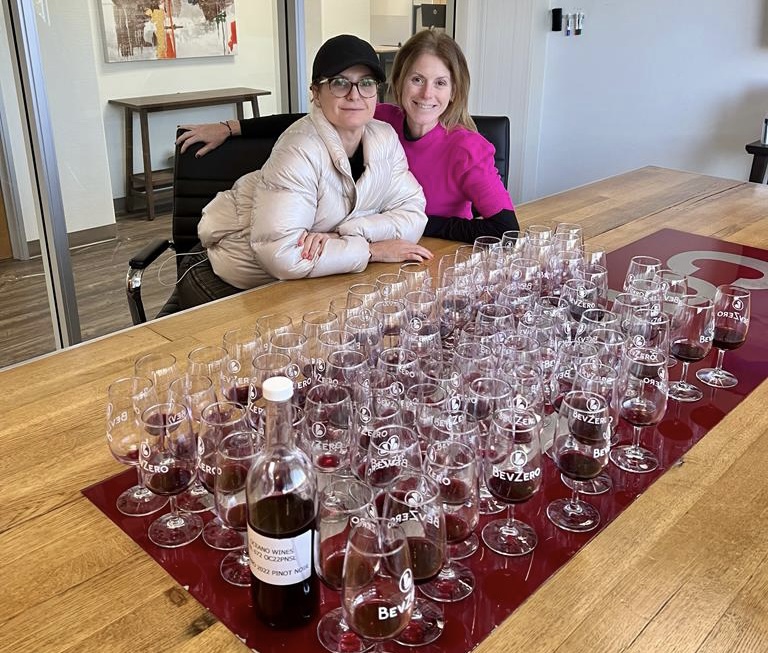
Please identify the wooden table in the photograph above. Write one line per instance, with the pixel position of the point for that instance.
(684, 568)
(148, 182)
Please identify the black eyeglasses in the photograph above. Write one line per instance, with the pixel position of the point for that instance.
(341, 86)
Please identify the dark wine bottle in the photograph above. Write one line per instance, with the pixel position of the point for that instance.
(280, 493)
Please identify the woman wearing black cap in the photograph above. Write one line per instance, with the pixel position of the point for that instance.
(335, 193)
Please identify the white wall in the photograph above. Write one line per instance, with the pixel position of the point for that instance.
(679, 84)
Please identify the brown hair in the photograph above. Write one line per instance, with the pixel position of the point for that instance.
(441, 45)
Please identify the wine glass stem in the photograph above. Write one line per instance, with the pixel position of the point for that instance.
(510, 513)
(719, 363)
(684, 373)
(636, 432)
(573, 502)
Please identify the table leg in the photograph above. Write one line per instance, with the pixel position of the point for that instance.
(759, 167)
(255, 106)
(128, 129)
(149, 188)
(239, 109)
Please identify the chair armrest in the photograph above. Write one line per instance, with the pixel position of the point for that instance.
(149, 254)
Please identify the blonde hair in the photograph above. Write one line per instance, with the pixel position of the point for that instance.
(442, 46)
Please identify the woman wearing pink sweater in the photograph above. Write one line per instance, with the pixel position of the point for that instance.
(453, 163)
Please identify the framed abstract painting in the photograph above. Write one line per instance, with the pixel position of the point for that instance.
(143, 30)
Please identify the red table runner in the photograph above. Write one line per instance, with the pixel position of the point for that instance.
(504, 583)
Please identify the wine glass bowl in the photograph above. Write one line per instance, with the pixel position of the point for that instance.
(377, 583)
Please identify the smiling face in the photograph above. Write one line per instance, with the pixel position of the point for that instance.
(351, 113)
(427, 91)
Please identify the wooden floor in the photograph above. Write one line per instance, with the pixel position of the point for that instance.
(99, 271)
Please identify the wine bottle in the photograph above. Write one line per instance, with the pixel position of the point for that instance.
(280, 493)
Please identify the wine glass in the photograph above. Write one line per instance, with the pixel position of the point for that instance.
(216, 422)
(642, 391)
(241, 344)
(368, 293)
(392, 286)
(690, 340)
(602, 379)
(341, 505)
(732, 310)
(413, 501)
(453, 466)
(234, 457)
(512, 469)
(328, 430)
(126, 400)
(160, 368)
(196, 392)
(377, 590)
(641, 267)
(168, 461)
(391, 316)
(345, 307)
(580, 451)
(417, 275)
(299, 371)
(392, 449)
(210, 361)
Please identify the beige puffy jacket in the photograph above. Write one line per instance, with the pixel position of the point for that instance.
(251, 231)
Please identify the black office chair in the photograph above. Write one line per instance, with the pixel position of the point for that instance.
(197, 180)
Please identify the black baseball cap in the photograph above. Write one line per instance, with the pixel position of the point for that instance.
(342, 52)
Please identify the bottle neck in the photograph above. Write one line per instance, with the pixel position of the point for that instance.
(278, 429)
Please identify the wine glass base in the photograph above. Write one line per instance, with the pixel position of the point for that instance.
(574, 516)
(335, 635)
(235, 569)
(454, 583)
(684, 392)
(465, 548)
(598, 485)
(489, 506)
(509, 537)
(195, 499)
(175, 529)
(217, 536)
(140, 502)
(426, 624)
(634, 459)
(716, 378)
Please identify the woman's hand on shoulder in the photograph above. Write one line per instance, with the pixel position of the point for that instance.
(212, 134)
(313, 243)
(396, 250)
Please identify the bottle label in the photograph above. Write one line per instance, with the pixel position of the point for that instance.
(284, 561)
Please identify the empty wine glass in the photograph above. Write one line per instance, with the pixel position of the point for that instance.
(413, 501)
(392, 286)
(242, 344)
(641, 267)
(642, 391)
(417, 275)
(234, 457)
(168, 462)
(127, 398)
(345, 307)
(377, 594)
(512, 469)
(732, 307)
(210, 361)
(272, 324)
(341, 505)
(580, 451)
(160, 368)
(453, 465)
(690, 339)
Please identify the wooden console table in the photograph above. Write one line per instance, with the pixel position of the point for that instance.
(148, 182)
